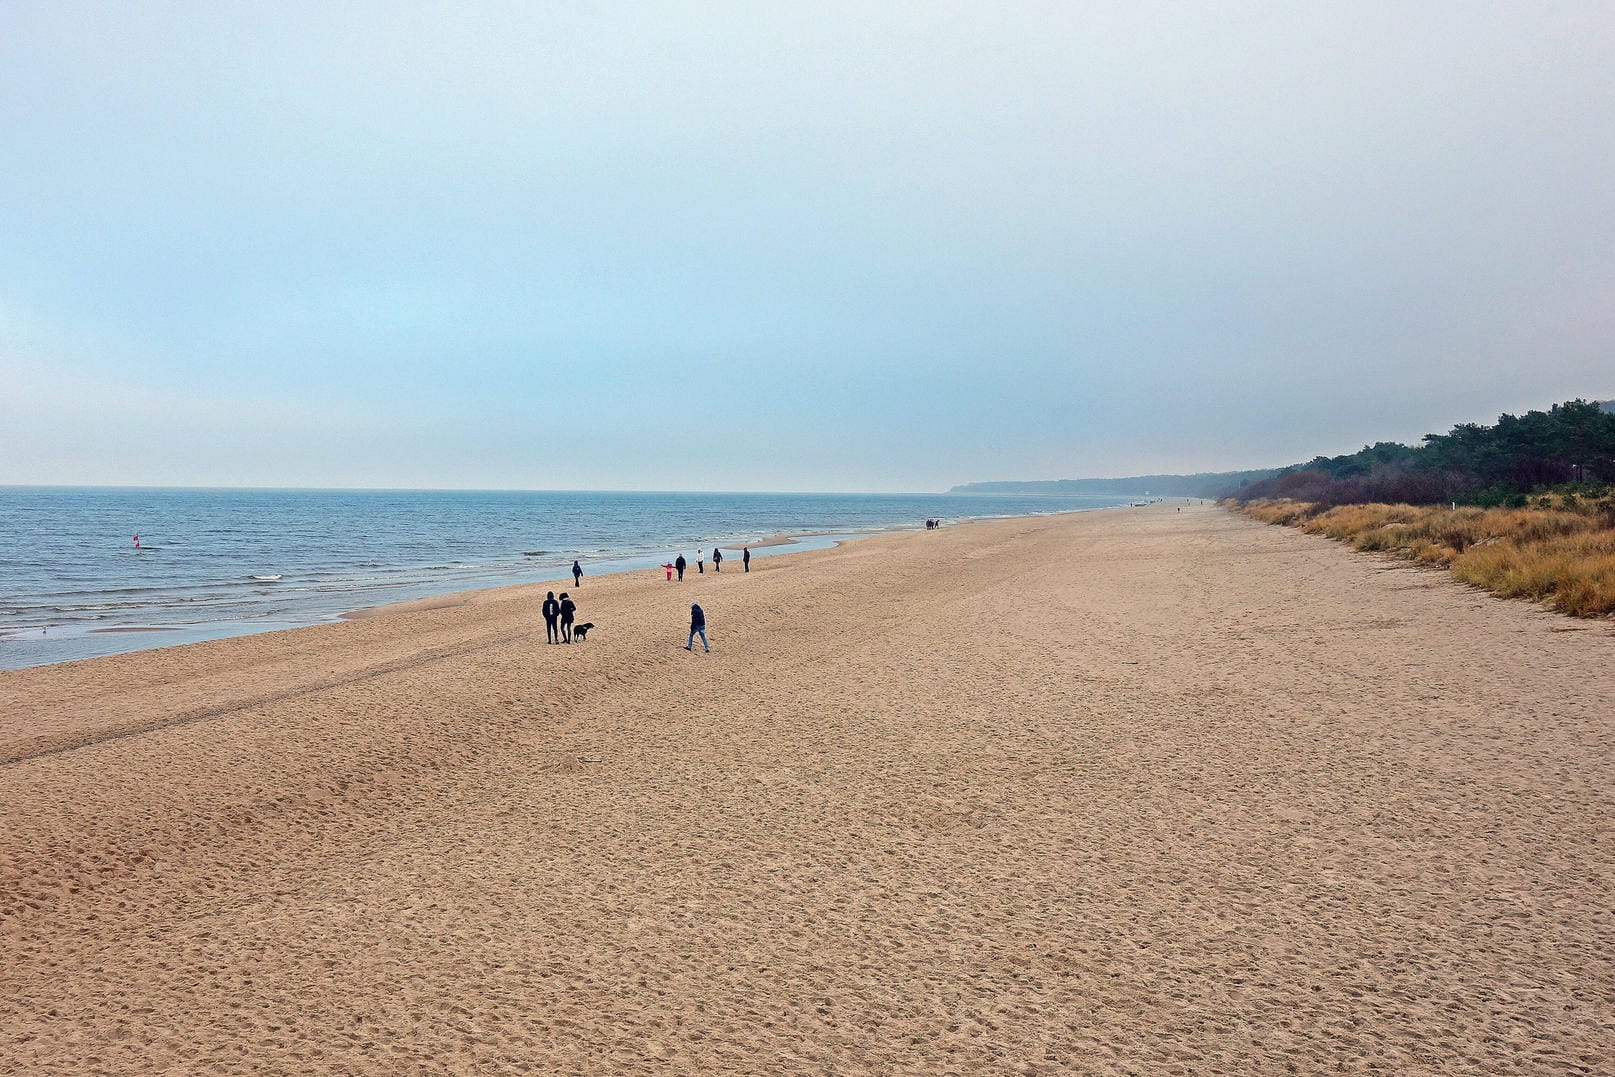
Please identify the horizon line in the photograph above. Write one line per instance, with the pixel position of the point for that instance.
(479, 489)
(582, 490)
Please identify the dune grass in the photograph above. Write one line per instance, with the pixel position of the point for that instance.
(1559, 552)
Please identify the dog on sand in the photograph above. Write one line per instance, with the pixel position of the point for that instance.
(581, 632)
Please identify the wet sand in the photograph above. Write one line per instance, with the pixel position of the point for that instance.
(1135, 791)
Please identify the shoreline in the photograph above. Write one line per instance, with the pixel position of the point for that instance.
(462, 598)
(189, 633)
(141, 636)
(802, 543)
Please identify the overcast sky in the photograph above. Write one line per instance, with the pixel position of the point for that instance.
(788, 247)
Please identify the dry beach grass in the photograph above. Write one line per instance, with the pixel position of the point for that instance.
(1138, 791)
(1558, 553)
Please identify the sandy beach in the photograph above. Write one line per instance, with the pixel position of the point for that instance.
(1132, 791)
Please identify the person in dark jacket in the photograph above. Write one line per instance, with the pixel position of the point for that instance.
(745, 558)
(698, 624)
(679, 564)
(717, 559)
(552, 613)
(577, 574)
(568, 610)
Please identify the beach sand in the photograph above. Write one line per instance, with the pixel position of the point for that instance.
(1134, 791)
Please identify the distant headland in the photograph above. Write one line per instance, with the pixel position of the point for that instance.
(1204, 484)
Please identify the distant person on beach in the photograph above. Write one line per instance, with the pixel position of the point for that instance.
(680, 565)
(577, 574)
(568, 610)
(701, 562)
(745, 558)
(717, 559)
(698, 626)
(552, 615)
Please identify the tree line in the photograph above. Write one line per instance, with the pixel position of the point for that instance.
(1569, 444)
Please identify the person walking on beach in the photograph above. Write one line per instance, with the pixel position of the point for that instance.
(717, 559)
(745, 558)
(577, 574)
(701, 561)
(698, 626)
(552, 614)
(568, 610)
(680, 565)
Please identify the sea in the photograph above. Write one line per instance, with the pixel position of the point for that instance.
(213, 563)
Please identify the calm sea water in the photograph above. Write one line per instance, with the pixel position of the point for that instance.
(72, 584)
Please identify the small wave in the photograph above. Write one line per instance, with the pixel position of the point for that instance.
(105, 591)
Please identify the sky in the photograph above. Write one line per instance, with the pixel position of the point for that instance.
(761, 246)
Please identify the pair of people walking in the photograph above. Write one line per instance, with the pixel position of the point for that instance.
(559, 614)
(558, 617)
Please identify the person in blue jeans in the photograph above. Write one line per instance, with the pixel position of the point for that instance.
(698, 624)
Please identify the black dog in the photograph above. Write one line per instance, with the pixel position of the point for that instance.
(581, 632)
